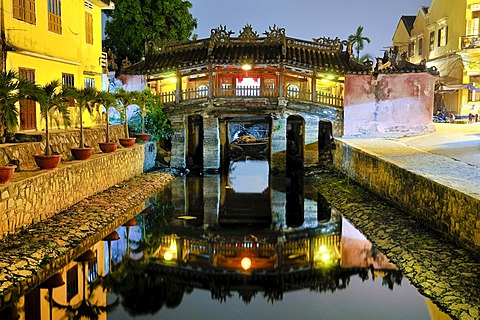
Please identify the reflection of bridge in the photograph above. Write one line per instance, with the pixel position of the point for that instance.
(295, 87)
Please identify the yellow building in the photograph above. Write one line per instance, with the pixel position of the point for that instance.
(53, 39)
(446, 35)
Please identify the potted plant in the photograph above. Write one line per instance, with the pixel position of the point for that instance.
(85, 99)
(108, 100)
(52, 99)
(125, 98)
(6, 173)
(144, 98)
(12, 89)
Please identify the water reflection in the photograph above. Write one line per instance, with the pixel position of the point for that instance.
(275, 243)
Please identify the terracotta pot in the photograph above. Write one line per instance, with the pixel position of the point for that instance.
(47, 162)
(81, 153)
(143, 136)
(6, 173)
(107, 147)
(127, 142)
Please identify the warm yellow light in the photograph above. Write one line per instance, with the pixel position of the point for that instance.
(172, 79)
(246, 263)
(168, 255)
(247, 67)
(325, 80)
(173, 246)
(322, 249)
(330, 77)
(325, 257)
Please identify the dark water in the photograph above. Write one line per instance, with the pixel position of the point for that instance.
(243, 245)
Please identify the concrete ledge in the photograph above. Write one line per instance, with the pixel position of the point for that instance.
(442, 192)
(35, 195)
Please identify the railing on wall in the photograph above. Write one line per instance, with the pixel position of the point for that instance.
(253, 91)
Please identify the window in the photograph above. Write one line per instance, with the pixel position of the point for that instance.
(411, 49)
(72, 282)
(431, 45)
(24, 10)
(89, 27)
(55, 16)
(89, 83)
(68, 80)
(442, 36)
(420, 47)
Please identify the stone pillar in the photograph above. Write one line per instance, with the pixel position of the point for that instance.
(279, 143)
(211, 143)
(211, 185)
(311, 138)
(178, 143)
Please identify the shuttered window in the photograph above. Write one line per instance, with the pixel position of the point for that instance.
(89, 27)
(24, 10)
(55, 16)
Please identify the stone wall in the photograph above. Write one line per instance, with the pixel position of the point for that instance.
(451, 212)
(60, 141)
(34, 195)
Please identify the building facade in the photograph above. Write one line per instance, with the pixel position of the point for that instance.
(47, 40)
(446, 36)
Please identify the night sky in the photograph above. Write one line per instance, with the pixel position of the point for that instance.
(307, 19)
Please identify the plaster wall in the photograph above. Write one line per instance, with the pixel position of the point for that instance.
(389, 105)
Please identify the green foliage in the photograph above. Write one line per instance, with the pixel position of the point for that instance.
(13, 89)
(358, 40)
(136, 24)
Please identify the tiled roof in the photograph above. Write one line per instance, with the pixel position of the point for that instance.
(318, 55)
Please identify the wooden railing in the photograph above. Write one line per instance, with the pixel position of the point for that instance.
(250, 92)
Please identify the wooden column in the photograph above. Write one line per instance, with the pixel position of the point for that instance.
(178, 91)
(210, 81)
(280, 82)
(314, 86)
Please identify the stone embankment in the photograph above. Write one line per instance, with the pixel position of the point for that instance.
(33, 195)
(439, 191)
(36, 252)
(441, 271)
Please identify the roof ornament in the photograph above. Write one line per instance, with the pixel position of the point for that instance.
(218, 35)
(331, 44)
(247, 33)
(275, 34)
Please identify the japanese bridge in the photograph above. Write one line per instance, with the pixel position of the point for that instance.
(285, 91)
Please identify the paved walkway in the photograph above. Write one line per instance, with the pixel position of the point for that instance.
(450, 155)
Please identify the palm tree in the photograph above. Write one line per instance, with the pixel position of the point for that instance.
(107, 99)
(13, 89)
(125, 98)
(85, 99)
(52, 99)
(358, 40)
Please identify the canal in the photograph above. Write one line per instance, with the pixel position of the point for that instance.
(243, 244)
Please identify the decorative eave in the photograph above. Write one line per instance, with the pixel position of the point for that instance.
(275, 48)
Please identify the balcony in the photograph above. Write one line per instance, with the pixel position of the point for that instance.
(252, 92)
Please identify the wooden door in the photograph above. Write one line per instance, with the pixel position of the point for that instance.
(28, 113)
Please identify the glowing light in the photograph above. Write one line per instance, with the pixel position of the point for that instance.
(246, 263)
(247, 67)
(322, 249)
(173, 246)
(168, 255)
(172, 79)
(325, 257)
(325, 80)
(330, 77)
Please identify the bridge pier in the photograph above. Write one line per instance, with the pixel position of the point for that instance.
(178, 159)
(211, 143)
(279, 143)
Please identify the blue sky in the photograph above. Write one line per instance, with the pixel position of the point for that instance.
(307, 19)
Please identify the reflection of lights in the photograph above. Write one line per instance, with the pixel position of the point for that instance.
(246, 263)
(325, 257)
(168, 255)
(322, 249)
(173, 246)
(246, 67)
